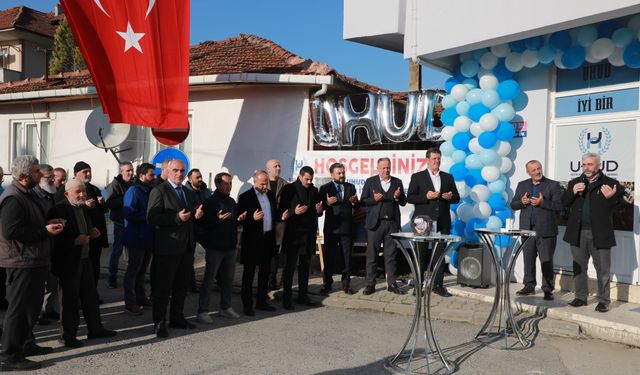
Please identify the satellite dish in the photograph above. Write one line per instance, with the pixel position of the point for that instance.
(103, 134)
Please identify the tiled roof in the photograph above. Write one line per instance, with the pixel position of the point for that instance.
(28, 19)
(241, 54)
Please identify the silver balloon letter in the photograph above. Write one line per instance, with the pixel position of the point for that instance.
(368, 118)
(387, 119)
(324, 122)
(429, 99)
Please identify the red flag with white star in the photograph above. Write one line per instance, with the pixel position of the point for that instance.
(138, 56)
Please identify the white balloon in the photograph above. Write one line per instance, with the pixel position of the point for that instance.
(458, 156)
(459, 92)
(462, 123)
(488, 122)
(501, 50)
(446, 162)
(530, 58)
(480, 193)
(482, 210)
(505, 196)
(488, 60)
(474, 146)
(505, 164)
(447, 133)
(558, 60)
(448, 101)
(488, 82)
(503, 148)
(494, 222)
(476, 129)
(447, 148)
(497, 186)
(616, 58)
(602, 48)
(490, 173)
(462, 189)
(513, 62)
(465, 212)
(483, 72)
(590, 58)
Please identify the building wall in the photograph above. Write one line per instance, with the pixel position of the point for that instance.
(34, 59)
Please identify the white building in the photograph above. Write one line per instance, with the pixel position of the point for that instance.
(440, 35)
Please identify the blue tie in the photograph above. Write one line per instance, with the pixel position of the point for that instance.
(181, 196)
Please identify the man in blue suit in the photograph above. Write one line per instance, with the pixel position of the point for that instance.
(382, 195)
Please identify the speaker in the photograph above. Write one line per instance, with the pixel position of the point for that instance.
(474, 265)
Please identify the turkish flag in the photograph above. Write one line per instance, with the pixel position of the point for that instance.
(138, 55)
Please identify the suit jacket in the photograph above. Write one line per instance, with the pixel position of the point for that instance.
(280, 225)
(65, 255)
(217, 234)
(373, 208)
(338, 219)
(255, 247)
(172, 236)
(436, 209)
(545, 214)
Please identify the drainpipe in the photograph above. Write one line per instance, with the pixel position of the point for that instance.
(322, 91)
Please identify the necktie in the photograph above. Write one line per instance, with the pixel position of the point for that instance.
(339, 189)
(181, 195)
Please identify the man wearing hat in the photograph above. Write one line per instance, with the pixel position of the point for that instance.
(96, 209)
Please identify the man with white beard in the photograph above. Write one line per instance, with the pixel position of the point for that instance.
(45, 191)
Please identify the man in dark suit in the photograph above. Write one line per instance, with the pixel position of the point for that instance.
(257, 207)
(300, 206)
(538, 199)
(172, 211)
(70, 261)
(382, 195)
(432, 192)
(339, 198)
(276, 183)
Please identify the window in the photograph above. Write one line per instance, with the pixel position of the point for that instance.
(30, 138)
(4, 57)
(152, 146)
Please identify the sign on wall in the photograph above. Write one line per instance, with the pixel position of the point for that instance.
(597, 103)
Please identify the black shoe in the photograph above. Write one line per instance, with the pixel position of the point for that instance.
(35, 349)
(347, 289)
(145, 303)
(369, 289)
(526, 291)
(578, 302)
(325, 290)
(265, 307)
(548, 296)
(288, 306)
(101, 334)
(601, 307)
(42, 321)
(393, 288)
(21, 364)
(112, 285)
(182, 324)
(306, 302)
(248, 311)
(70, 342)
(273, 285)
(52, 315)
(441, 291)
(161, 330)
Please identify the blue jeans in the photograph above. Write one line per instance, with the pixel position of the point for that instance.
(116, 252)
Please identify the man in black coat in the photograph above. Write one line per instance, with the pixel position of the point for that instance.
(538, 199)
(432, 192)
(115, 202)
(257, 207)
(300, 206)
(382, 195)
(338, 199)
(591, 199)
(172, 211)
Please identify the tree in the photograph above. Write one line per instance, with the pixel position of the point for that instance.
(66, 54)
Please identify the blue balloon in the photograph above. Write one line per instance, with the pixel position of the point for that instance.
(463, 108)
(477, 54)
(497, 202)
(461, 141)
(469, 68)
(458, 171)
(517, 46)
(446, 148)
(573, 57)
(631, 55)
(473, 162)
(546, 54)
(448, 116)
(560, 40)
(622, 37)
(458, 227)
(490, 98)
(520, 101)
(449, 83)
(501, 72)
(497, 186)
(488, 157)
(534, 43)
(504, 214)
(505, 131)
(586, 35)
(471, 83)
(474, 177)
(454, 258)
(487, 139)
(474, 96)
(476, 111)
(606, 28)
(508, 89)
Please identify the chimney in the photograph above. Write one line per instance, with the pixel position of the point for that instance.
(57, 10)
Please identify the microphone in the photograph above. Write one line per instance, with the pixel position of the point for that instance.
(585, 181)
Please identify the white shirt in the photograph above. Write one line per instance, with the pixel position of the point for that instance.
(385, 184)
(435, 179)
(267, 222)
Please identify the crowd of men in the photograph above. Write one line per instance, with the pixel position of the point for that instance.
(53, 229)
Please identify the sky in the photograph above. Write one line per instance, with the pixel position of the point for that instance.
(309, 29)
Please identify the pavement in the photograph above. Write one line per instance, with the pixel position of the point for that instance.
(470, 305)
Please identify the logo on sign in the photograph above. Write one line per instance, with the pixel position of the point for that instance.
(598, 142)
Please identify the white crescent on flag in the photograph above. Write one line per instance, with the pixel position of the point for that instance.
(149, 8)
